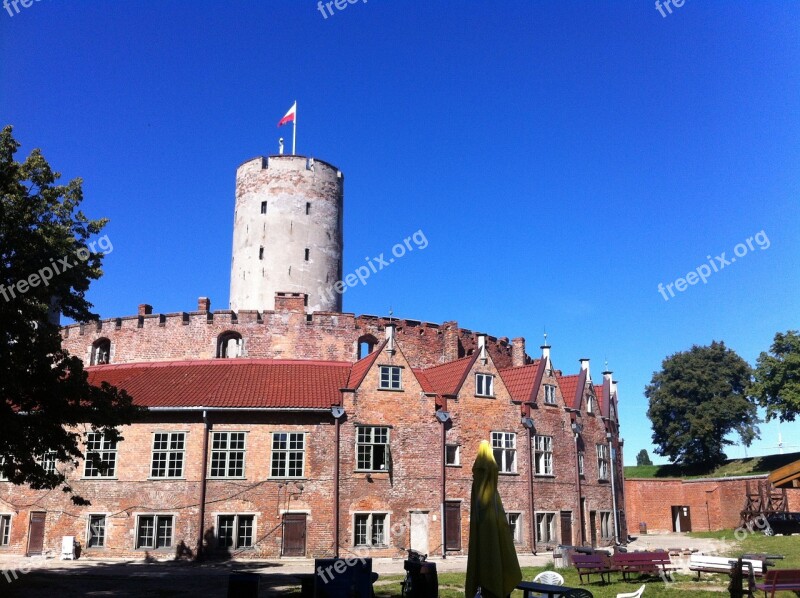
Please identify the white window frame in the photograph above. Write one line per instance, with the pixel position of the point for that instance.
(287, 454)
(89, 533)
(370, 529)
(388, 382)
(507, 462)
(543, 455)
(602, 462)
(107, 450)
(236, 540)
(549, 394)
(5, 529)
(171, 455)
(228, 452)
(3, 477)
(516, 527)
(457, 454)
(581, 460)
(546, 527)
(157, 517)
(484, 385)
(590, 403)
(606, 525)
(371, 443)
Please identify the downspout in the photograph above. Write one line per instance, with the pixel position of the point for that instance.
(613, 456)
(577, 428)
(444, 488)
(527, 421)
(336, 485)
(202, 511)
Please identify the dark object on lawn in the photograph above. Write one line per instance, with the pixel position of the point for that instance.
(578, 593)
(783, 523)
(421, 579)
(343, 578)
(243, 585)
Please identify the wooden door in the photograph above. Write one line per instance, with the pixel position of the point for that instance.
(294, 534)
(593, 525)
(566, 527)
(36, 533)
(452, 525)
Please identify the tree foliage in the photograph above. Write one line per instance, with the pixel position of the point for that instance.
(697, 400)
(46, 401)
(776, 383)
(642, 458)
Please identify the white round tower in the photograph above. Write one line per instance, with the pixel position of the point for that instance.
(287, 232)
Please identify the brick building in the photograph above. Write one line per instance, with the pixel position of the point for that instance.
(295, 432)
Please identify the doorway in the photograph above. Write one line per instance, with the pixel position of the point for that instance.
(593, 527)
(36, 533)
(419, 531)
(452, 525)
(681, 519)
(566, 527)
(294, 534)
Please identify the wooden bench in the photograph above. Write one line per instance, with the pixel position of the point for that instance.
(651, 563)
(722, 564)
(779, 580)
(588, 564)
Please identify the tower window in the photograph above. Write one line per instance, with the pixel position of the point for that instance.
(308, 208)
(307, 252)
(101, 351)
(229, 344)
(263, 207)
(261, 253)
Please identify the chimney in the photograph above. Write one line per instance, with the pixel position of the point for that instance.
(291, 302)
(546, 353)
(390, 330)
(585, 366)
(203, 304)
(518, 351)
(145, 309)
(482, 347)
(607, 376)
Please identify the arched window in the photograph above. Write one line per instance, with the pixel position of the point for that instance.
(366, 345)
(229, 345)
(101, 351)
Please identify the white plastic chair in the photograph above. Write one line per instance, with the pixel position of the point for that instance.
(549, 577)
(636, 594)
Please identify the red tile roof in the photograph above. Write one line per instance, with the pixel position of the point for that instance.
(423, 381)
(598, 392)
(229, 383)
(523, 381)
(361, 367)
(446, 379)
(569, 388)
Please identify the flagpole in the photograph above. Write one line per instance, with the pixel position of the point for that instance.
(294, 130)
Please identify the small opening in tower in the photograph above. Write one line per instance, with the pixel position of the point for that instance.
(261, 253)
(366, 345)
(101, 351)
(263, 207)
(229, 345)
(308, 207)
(307, 252)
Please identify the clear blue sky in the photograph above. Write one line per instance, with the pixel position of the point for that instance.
(562, 158)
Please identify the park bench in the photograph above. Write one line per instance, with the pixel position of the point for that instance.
(722, 564)
(589, 564)
(779, 580)
(651, 563)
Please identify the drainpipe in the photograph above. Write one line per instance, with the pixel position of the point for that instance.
(443, 417)
(337, 413)
(202, 513)
(528, 423)
(577, 428)
(613, 457)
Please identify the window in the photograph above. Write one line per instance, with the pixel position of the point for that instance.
(235, 531)
(484, 385)
(3, 477)
(370, 529)
(580, 463)
(307, 252)
(101, 456)
(602, 461)
(261, 253)
(288, 454)
(101, 351)
(549, 394)
(308, 208)
(96, 538)
(154, 531)
(452, 454)
(606, 525)
(372, 449)
(230, 344)
(227, 454)
(390, 377)
(168, 454)
(48, 461)
(514, 522)
(5, 529)
(543, 454)
(504, 446)
(263, 207)
(590, 404)
(546, 528)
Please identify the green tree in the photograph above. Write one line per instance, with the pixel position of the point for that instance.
(697, 400)
(643, 458)
(46, 402)
(776, 380)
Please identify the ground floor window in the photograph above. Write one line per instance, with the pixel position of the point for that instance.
(97, 531)
(515, 523)
(154, 531)
(606, 525)
(370, 529)
(546, 528)
(5, 529)
(235, 531)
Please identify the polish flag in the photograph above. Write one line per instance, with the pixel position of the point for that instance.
(290, 116)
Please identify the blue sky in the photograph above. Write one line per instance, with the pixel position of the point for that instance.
(562, 158)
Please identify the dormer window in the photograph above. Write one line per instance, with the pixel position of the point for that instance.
(590, 404)
(230, 345)
(484, 385)
(101, 351)
(549, 394)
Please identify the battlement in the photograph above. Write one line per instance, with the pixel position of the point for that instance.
(284, 162)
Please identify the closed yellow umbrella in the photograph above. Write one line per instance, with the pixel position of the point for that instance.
(492, 563)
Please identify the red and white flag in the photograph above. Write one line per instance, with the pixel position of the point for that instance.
(290, 116)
